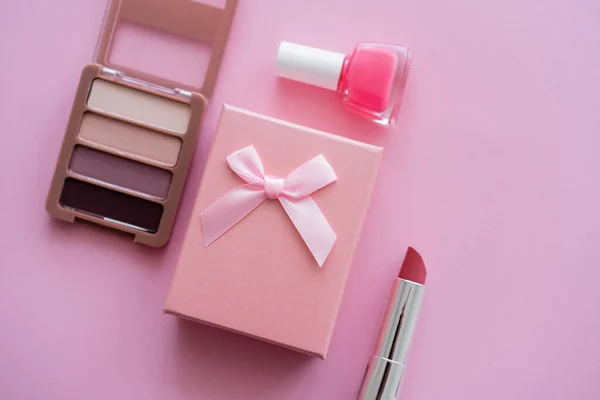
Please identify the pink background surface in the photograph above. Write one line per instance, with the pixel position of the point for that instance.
(492, 174)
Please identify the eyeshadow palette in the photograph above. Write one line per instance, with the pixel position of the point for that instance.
(131, 135)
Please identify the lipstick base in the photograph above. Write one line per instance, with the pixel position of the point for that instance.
(382, 379)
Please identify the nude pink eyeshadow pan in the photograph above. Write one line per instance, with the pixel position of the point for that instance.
(129, 140)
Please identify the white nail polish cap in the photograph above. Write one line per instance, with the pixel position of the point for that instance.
(310, 65)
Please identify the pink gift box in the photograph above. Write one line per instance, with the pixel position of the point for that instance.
(259, 278)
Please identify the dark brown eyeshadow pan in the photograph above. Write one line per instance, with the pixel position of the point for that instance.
(109, 204)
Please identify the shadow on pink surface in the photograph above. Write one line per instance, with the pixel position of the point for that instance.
(232, 355)
(87, 235)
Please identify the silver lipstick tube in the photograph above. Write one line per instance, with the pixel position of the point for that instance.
(385, 370)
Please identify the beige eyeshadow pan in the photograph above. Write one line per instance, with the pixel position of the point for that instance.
(139, 106)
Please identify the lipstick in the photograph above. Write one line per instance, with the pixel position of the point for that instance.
(385, 370)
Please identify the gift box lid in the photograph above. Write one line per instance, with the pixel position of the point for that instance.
(260, 278)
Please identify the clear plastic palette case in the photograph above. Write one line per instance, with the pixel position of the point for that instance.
(132, 130)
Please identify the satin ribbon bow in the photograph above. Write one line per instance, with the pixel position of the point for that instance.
(293, 192)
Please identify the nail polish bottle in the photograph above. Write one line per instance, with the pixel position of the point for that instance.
(371, 79)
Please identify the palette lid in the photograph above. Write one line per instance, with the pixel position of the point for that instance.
(186, 21)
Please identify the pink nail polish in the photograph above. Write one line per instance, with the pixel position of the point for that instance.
(371, 79)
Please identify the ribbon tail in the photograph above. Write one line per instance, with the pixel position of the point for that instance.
(312, 226)
(229, 210)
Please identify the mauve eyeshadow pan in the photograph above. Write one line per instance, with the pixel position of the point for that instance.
(116, 206)
(121, 172)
